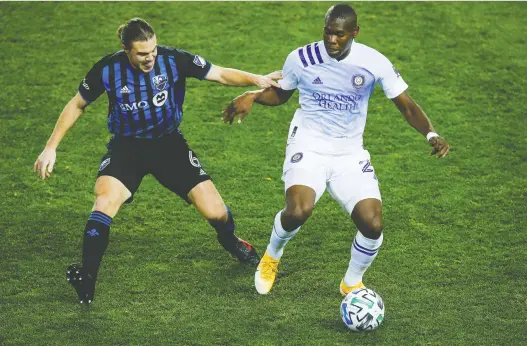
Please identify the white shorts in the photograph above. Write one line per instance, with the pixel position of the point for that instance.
(349, 178)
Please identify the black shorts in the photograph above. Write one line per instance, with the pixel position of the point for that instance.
(169, 159)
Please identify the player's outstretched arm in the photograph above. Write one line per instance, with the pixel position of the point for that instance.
(232, 77)
(241, 105)
(418, 119)
(46, 160)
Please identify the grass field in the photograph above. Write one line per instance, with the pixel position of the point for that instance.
(452, 270)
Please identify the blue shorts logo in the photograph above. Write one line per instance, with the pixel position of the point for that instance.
(297, 157)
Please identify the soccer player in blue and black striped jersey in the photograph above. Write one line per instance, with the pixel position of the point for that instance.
(145, 84)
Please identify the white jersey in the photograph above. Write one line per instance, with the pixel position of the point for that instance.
(334, 94)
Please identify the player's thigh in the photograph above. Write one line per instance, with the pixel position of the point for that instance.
(120, 166)
(353, 179)
(304, 168)
(208, 201)
(176, 166)
(110, 195)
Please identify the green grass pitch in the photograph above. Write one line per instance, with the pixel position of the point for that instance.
(452, 270)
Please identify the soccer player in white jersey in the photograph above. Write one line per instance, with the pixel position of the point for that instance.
(335, 78)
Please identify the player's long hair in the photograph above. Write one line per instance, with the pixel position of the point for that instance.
(136, 29)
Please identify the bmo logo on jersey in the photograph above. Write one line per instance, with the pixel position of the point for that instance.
(158, 100)
(125, 107)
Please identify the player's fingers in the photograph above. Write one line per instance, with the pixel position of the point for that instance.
(275, 75)
(227, 119)
(228, 113)
(50, 167)
(439, 151)
(266, 83)
(434, 151)
(444, 151)
(35, 166)
(42, 170)
(231, 115)
(224, 116)
(241, 116)
(275, 84)
(228, 110)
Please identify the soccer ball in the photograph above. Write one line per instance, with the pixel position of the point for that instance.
(362, 310)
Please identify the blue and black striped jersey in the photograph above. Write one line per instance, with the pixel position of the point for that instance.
(143, 105)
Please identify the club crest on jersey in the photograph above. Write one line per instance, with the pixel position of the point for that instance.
(297, 157)
(199, 61)
(160, 81)
(357, 81)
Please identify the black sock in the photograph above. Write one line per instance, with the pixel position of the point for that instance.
(225, 231)
(96, 237)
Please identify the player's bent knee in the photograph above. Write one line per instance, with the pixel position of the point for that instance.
(376, 224)
(215, 212)
(216, 216)
(372, 227)
(299, 214)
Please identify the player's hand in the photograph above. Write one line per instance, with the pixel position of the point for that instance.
(240, 106)
(440, 145)
(269, 80)
(45, 162)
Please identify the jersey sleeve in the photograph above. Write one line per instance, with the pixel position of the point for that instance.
(390, 79)
(192, 65)
(92, 86)
(290, 72)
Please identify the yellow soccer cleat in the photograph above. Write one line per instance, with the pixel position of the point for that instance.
(266, 274)
(344, 289)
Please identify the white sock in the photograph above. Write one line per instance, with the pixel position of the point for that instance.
(279, 238)
(363, 252)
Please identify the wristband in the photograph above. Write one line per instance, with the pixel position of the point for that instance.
(431, 135)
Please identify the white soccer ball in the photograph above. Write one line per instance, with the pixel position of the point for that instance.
(362, 310)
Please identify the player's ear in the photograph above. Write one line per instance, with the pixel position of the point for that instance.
(124, 48)
(356, 31)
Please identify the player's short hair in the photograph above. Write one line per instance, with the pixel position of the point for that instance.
(136, 29)
(343, 11)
